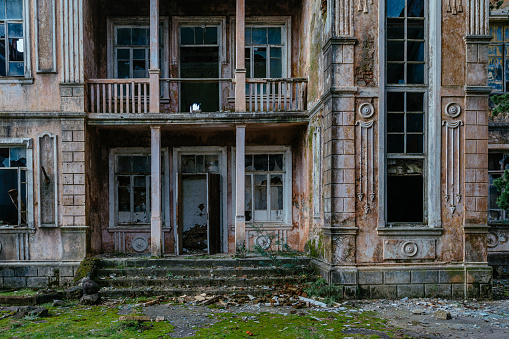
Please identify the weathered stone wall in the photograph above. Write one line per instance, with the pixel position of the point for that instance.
(37, 275)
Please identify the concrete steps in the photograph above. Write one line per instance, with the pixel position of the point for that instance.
(176, 276)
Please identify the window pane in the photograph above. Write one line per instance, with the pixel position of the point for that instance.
(415, 51)
(4, 157)
(141, 164)
(2, 9)
(496, 33)
(276, 179)
(415, 74)
(276, 68)
(494, 161)
(260, 62)
(274, 35)
(395, 29)
(395, 50)
(211, 164)
(139, 36)
(199, 163)
(249, 163)
(198, 35)
(260, 192)
(124, 36)
(276, 198)
(415, 122)
(415, 29)
(16, 69)
(187, 36)
(259, 36)
(140, 199)
(123, 54)
(188, 164)
(124, 198)
(395, 102)
(18, 157)
(211, 35)
(247, 198)
(414, 102)
(124, 164)
(260, 162)
(15, 49)
(123, 69)
(395, 8)
(414, 143)
(248, 38)
(2, 31)
(395, 143)
(14, 9)
(395, 122)
(276, 162)
(415, 8)
(8, 192)
(15, 30)
(248, 62)
(395, 73)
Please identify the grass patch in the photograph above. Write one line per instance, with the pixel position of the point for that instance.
(18, 293)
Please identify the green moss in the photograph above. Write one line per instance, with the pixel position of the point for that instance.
(87, 268)
(21, 292)
(314, 247)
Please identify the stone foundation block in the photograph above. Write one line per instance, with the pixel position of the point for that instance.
(424, 277)
(6, 272)
(411, 291)
(458, 291)
(486, 291)
(397, 277)
(473, 290)
(370, 278)
(15, 282)
(437, 290)
(37, 282)
(66, 271)
(350, 292)
(449, 276)
(479, 276)
(344, 277)
(28, 271)
(47, 271)
(384, 292)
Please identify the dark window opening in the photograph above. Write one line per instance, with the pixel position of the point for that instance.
(405, 191)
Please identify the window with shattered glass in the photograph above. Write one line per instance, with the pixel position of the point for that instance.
(12, 47)
(498, 162)
(265, 177)
(13, 186)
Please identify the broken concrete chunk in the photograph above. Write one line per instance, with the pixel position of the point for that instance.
(418, 311)
(31, 311)
(313, 302)
(160, 318)
(90, 299)
(443, 315)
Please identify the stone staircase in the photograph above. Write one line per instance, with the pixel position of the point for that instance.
(176, 276)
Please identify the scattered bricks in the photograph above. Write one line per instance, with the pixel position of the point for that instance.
(17, 282)
(37, 282)
(410, 291)
(451, 276)
(424, 277)
(6, 272)
(384, 292)
(370, 278)
(458, 291)
(27, 271)
(437, 291)
(397, 277)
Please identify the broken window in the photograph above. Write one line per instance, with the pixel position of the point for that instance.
(265, 187)
(497, 163)
(13, 186)
(498, 58)
(132, 185)
(265, 52)
(406, 92)
(12, 47)
(199, 163)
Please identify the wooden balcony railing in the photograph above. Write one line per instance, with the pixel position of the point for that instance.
(273, 95)
(118, 95)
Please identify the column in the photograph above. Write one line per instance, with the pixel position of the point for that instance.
(154, 71)
(240, 218)
(156, 228)
(240, 70)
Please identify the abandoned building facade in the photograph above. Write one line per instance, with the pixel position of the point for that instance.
(353, 131)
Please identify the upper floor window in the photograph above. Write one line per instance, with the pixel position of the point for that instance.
(405, 42)
(12, 47)
(265, 51)
(498, 58)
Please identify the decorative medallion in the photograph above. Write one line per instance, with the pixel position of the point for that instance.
(366, 110)
(263, 241)
(492, 239)
(409, 248)
(453, 109)
(139, 244)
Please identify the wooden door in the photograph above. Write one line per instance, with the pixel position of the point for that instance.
(213, 213)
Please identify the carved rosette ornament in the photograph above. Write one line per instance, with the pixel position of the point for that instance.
(139, 244)
(263, 241)
(452, 194)
(492, 239)
(366, 157)
(409, 248)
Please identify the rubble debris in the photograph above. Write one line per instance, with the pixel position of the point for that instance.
(442, 315)
(139, 318)
(32, 311)
(90, 299)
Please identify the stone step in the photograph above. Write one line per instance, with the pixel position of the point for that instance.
(198, 262)
(177, 292)
(138, 282)
(204, 272)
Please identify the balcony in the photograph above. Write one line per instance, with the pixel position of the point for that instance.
(122, 96)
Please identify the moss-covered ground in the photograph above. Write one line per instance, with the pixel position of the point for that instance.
(77, 321)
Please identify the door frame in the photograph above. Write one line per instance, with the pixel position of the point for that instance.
(223, 172)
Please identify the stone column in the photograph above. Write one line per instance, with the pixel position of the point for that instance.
(156, 226)
(154, 71)
(240, 218)
(240, 70)
(339, 153)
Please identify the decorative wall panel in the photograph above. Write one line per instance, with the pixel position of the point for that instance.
(45, 36)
